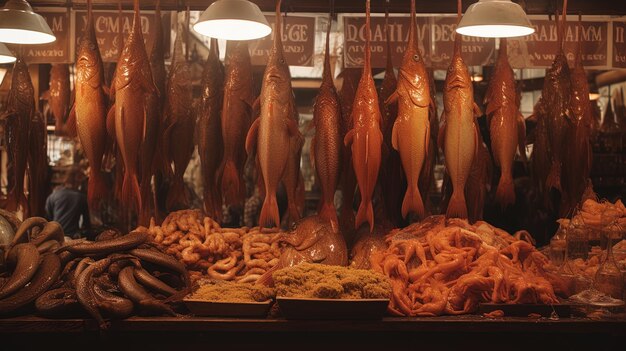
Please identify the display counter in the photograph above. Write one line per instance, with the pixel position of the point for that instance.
(194, 333)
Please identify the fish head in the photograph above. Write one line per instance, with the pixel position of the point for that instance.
(88, 60)
(21, 84)
(457, 76)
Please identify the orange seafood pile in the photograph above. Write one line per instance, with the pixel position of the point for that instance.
(592, 212)
(206, 249)
(440, 266)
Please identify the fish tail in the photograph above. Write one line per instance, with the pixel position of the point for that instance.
(505, 193)
(457, 207)
(97, 189)
(554, 177)
(365, 214)
(413, 202)
(329, 213)
(267, 277)
(130, 191)
(269, 212)
(177, 194)
(230, 183)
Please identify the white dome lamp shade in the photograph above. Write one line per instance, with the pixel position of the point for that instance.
(233, 20)
(5, 55)
(495, 19)
(19, 24)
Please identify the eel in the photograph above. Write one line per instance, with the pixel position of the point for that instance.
(25, 258)
(136, 293)
(47, 274)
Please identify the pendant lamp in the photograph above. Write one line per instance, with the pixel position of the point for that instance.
(19, 24)
(495, 19)
(233, 20)
(5, 55)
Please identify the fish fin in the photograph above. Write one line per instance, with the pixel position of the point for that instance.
(365, 214)
(442, 134)
(477, 111)
(130, 189)
(476, 142)
(292, 127)
(532, 118)
(230, 183)
(97, 188)
(269, 216)
(392, 99)
(69, 128)
(394, 136)
(329, 213)
(167, 161)
(457, 208)
(256, 106)
(45, 95)
(347, 140)
(412, 202)
(110, 122)
(106, 90)
(521, 137)
(554, 177)
(253, 134)
(312, 153)
(505, 193)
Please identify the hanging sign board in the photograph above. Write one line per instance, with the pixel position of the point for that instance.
(619, 44)
(539, 49)
(398, 30)
(108, 24)
(475, 51)
(435, 35)
(59, 50)
(298, 41)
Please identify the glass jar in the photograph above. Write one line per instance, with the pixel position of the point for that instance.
(609, 278)
(577, 240)
(558, 246)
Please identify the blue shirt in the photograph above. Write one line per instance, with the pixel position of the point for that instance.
(66, 206)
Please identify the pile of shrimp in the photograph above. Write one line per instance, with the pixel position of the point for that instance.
(441, 266)
(206, 249)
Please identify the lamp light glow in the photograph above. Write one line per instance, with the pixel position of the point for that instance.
(233, 20)
(19, 24)
(495, 19)
(5, 55)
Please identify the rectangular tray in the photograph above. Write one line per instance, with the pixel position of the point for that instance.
(228, 309)
(307, 308)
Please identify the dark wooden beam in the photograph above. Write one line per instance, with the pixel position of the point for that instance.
(533, 7)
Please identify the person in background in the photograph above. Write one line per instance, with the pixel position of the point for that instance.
(68, 205)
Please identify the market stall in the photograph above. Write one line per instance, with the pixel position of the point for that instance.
(366, 172)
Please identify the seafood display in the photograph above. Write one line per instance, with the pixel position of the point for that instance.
(392, 207)
(448, 266)
(206, 249)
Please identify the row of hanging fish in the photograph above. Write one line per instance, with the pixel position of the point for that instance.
(26, 143)
(562, 153)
